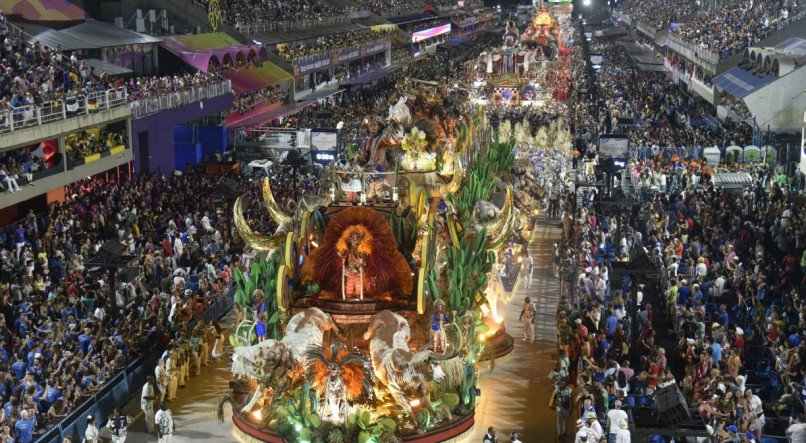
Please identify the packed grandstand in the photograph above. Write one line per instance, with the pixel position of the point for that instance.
(385, 221)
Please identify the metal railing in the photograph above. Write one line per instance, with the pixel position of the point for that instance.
(171, 100)
(57, 110)
(335, 51)
(692, 52)
(714, 57)
(646, 28)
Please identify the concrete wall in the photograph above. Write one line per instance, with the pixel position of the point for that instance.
(153, 135)
(780, 104)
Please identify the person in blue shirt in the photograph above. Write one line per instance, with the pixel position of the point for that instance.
(84, 341)
(51, 392)
(716, 351)
(724, 318)
(260, 328)
(697, 293)
(19, 367)
(611, 323)
(682, 293)
(24, 428)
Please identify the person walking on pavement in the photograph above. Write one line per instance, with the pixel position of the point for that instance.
(527, 317)
(530, 267)
(91, 433)
(562, 407)
(150, 394)
(165, 424)
(514, 438)
(117, 426)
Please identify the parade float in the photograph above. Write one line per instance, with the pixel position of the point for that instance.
(530, 68)
(378, 297)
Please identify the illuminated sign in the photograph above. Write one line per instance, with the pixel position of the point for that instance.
(431, 32)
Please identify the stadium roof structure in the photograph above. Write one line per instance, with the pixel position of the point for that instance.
(89, 34)
(250, 79)
(741, 82)
(205, 50)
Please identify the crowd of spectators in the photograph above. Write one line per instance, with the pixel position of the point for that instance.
(65, 327)
(723, 320)
(248, 101)
(243, 13)
(657, 13)
(328, 43)
(351, 107)
(731, 27)
(140, 88)
(17, 167)
(388, 8)
(85, 143)
(621, 97)
(734, 104)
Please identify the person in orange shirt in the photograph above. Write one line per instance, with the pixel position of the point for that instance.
(678, 248)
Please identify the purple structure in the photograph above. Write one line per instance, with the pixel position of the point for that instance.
(153, 135)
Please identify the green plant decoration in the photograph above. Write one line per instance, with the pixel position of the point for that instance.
(501, 155)
(262, 276)
(470, 265)
(478, 187)
(300, 412)
(405, 231)
(368, 431)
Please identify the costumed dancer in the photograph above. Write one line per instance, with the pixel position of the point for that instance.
(439, 319)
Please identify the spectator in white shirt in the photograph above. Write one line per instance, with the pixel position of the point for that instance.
(614, 416)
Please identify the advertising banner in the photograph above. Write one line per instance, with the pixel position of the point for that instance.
(312, 64)
(377, 47)
(430, 32)
(348, 54)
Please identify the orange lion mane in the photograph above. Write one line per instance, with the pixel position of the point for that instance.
(386, 270)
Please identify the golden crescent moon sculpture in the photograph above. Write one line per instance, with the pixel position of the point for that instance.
(274, 210)
(255, 240)
(501, 229)
(456, 180)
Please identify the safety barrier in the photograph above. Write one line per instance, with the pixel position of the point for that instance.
(693, 52)
(171, 100)
(31, 115)
(646, 29)
(125, 385)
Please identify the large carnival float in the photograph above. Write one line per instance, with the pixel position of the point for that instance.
(530, 68)
(378, 296)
